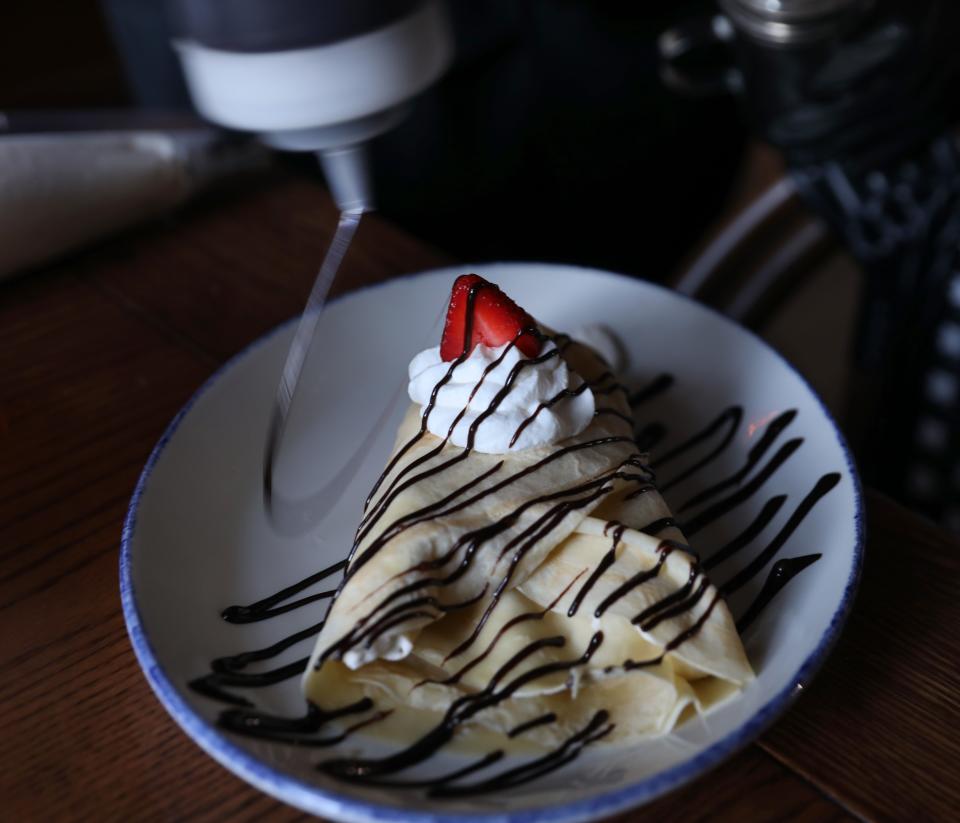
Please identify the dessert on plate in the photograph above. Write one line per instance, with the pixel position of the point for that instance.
(516, 576)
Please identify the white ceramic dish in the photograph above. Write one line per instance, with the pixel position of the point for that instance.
(197, 540)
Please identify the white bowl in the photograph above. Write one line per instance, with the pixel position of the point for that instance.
(197, 539)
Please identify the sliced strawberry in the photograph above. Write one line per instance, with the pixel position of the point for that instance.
(496, 320)
(455, 327)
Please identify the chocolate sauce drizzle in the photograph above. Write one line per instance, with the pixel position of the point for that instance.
(360, 770)
(756, 453)
(683, 637)
(267, 607)
(597, 728)
(783, 572)
(747, 536)
(673, 604)
(563, 394)
(299, 731)
(730, 418)
(458, 675)
(663, 550)
(656, 386)
(727, 504)
(650, 435)
(823, 486)
(472, 541)
(542, 720)
(228, 671)
(435, 510)
(393, 609)
(605, 563)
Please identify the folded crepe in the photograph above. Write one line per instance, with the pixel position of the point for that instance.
(519, 592)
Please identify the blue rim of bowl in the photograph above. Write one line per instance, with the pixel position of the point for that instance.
(327, 803)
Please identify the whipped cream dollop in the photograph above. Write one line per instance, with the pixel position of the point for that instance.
(536, 384)
(385, 647)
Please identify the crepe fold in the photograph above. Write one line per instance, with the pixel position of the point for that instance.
(527, 576)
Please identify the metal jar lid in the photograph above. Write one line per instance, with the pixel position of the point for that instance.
(792, 21)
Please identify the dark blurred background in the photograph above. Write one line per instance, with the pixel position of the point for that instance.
(551, 138)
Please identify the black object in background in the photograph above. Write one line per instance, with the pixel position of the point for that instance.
(864, 118)
(551, 138)
(860, 96)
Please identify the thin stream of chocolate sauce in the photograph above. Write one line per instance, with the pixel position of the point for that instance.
(664, 550)
(614, 386)
(563, 394)
(458, 675)
(211, 685)
(542, 720)
(656, 386)
(673, 605)
(754, 456)
(406, 521)
(433, 783)
(442, 786)
(605, 563)
(267, 607)
(822, 487)
(427, 606)
(730, 417)
(300, 731)
(228, 671)
(747, 536)
(677, 641)
(783, 572)
(597, 728)
(727, 504)
(640, 491)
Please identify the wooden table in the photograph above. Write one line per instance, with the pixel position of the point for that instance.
(98, 353)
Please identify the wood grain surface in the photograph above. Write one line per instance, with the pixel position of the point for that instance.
(99, 352)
